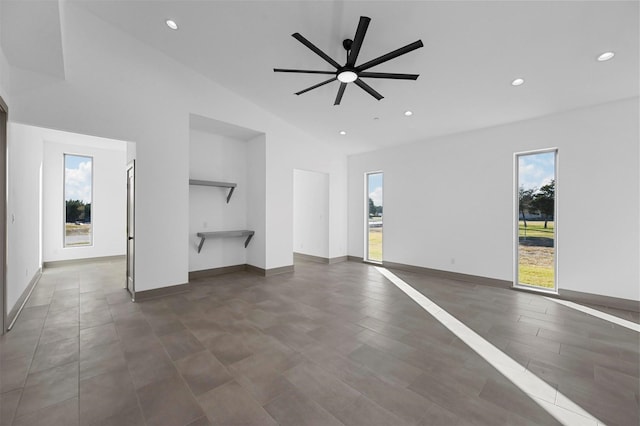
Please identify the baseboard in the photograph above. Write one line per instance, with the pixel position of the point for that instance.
(596, 299)
(310, 258)
(319, 259)
(573, 296)
(141, 296)
(354, 259)
(58, 263)
(22, 300)
(270, 272)
(207, 273)
(475, 279)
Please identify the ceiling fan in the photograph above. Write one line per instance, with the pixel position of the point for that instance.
(349, 72)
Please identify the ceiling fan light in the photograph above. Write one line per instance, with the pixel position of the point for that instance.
(347, 76)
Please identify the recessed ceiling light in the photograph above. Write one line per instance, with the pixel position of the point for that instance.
(517, 82)
(171, 24)
(606, 56)
(408, 113)
(342, 132)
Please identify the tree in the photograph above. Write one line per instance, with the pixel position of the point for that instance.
(87, 213)
(543, 200)
(74, 210)
(525, 201)
(372, 208)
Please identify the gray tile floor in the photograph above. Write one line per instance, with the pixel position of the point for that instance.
(328, 344)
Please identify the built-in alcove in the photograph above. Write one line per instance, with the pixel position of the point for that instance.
(221, 199)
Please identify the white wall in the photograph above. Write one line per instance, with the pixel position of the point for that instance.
(256, 201)
(4, 70)
(453, 197)
(118, 87)
(23, 209)
(311, 213)
(282, 157)
(109, 198)
(217, 158)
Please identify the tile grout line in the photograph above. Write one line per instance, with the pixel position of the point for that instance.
(598, 314)
(526, 381)
(24, 385)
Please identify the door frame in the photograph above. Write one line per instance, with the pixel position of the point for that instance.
(516, 222)
(131, 167)
(365, 256)
(4, 169)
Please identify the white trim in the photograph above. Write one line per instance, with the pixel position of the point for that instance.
(64, 200)
(365, 257)
(516, 223)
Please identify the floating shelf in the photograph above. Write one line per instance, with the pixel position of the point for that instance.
(229, 185)
(222, 234)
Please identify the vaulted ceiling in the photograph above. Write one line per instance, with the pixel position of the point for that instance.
(472, 52)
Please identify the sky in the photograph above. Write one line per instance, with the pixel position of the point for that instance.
(536, 170)
(77, 178)
(375, 188)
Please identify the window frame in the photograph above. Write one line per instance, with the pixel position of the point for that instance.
(64, 201)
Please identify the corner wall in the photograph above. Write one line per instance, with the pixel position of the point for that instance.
(453, 198)
(24, 224)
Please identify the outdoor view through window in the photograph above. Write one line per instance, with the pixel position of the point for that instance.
(536, 225)
(374, 216)
(78, 189)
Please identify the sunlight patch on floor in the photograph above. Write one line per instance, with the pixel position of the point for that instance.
(556, 404)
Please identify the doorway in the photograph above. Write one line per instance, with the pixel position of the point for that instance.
(131, 223)
(3, 214)
(536, 225)
(373, 217)
(311, 215)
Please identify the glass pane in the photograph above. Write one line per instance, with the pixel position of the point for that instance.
(374, 238)
(78, 189)
(536, 226)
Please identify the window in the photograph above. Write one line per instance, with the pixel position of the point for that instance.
(78, 191)
(373, 217)
(535, 218)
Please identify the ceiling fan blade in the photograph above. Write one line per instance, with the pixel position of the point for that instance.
(357, 40)
(303, 71)
(340, 93)
(368, 89)
(316, 86)
(391, 55)
(389, 75)
(317, 51)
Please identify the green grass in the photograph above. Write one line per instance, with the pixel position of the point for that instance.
(536, 229)
(536, 270)
(529, 274)
(538, 276)
(375, 244)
